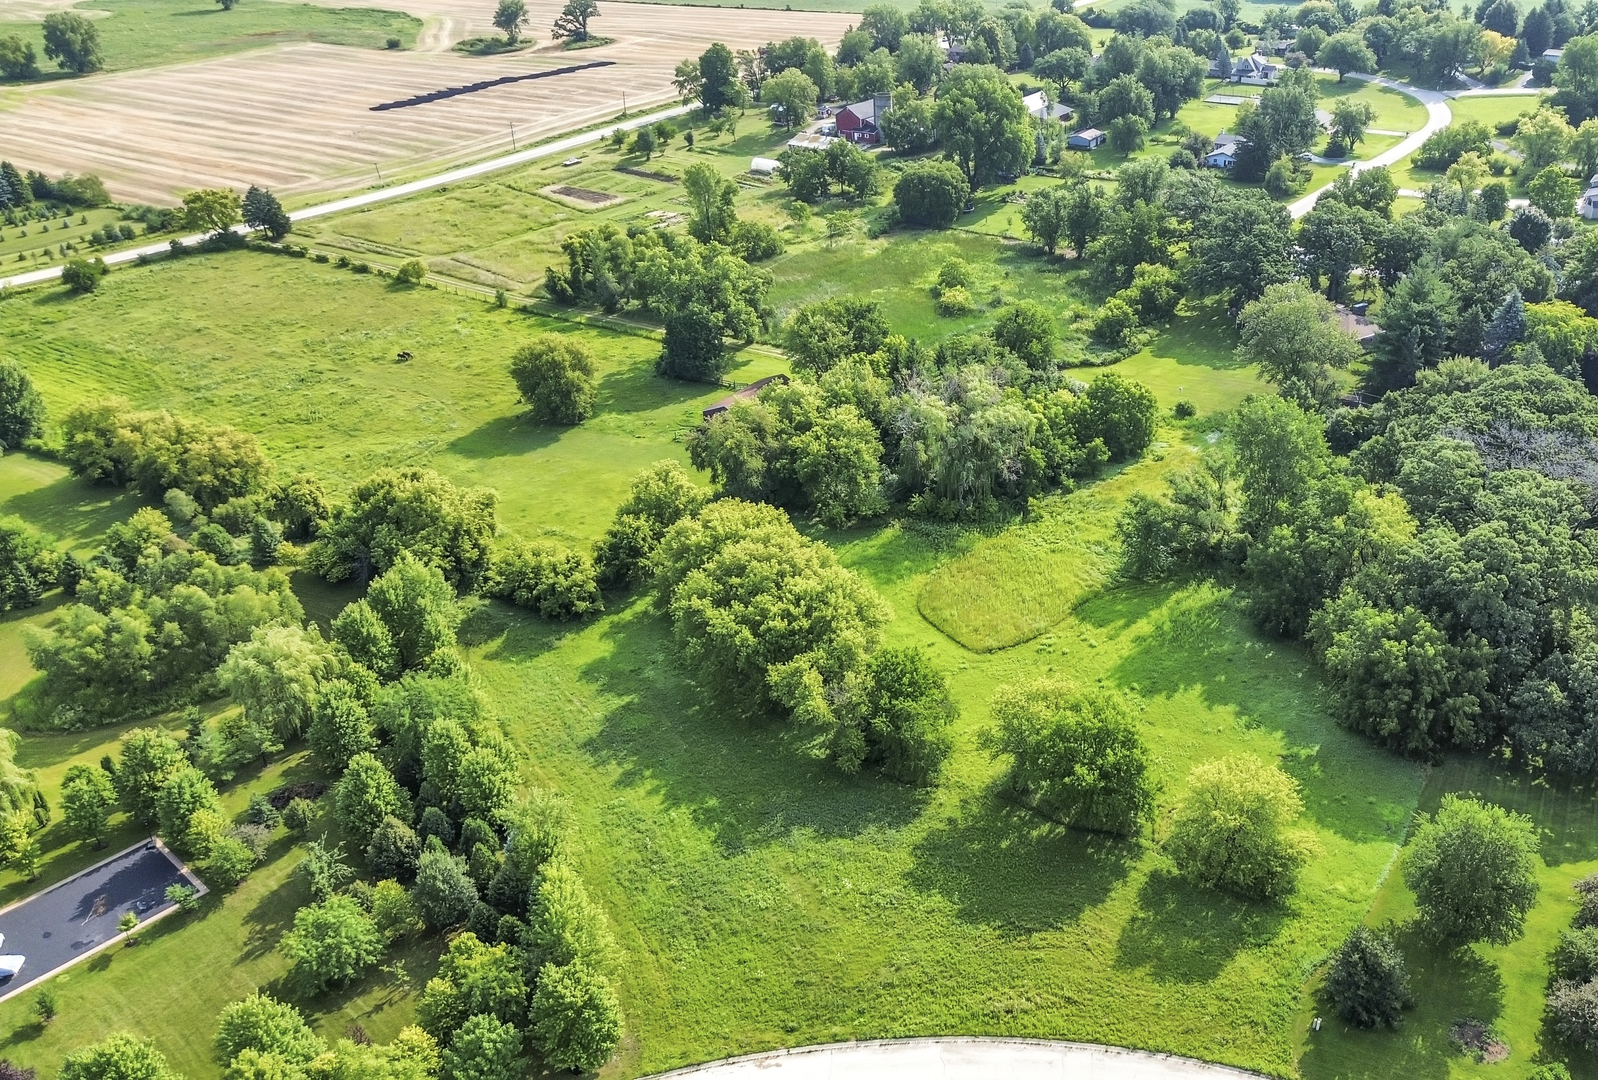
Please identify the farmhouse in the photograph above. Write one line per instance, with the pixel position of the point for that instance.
(858, 122)
(1255, 70)
(1587, 206)
(1224, 154)
(1086, 139)
(748, 393)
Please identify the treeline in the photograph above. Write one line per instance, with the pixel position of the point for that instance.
(18, 192)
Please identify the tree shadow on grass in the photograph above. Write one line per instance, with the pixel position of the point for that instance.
(1182, 933)
(72, 510)
(746, 777)
(1563, 809)
(1447, 985)
(507, 436)
(1201, 339)
(1004, 866)
(272, 916)
(1195, 638)
(635, 387)
(513, 634)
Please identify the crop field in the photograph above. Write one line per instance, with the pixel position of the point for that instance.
(298, 118)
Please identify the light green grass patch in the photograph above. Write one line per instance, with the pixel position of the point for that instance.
(1395, 111)
(147, 33)
(1011, 588)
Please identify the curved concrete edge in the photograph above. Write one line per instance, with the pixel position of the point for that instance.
(961, 1058)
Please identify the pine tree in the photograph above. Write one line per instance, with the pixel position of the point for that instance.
(1507, 327)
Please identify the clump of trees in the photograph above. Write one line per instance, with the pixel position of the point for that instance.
(1076, 756)
(395, 512)
(555, 377)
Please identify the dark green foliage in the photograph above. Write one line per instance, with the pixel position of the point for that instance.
(408, 511)
(436, 823)
(659, 497)
(1026, 328)
(261, 812)
(555, 377)
(819, 335)
(340, 726)
(1368, 983)
(1572, 1012)
(931, 194)
(1075, 756)
(1473, 869)
(899, 722)
(261, 210)
(215, 542)
(394, 851)
(1453, 142)
(83, 275)
(1193, 528)
(266, 1026)
(693, 349)
(1576, 958)
(444, 893)
(1122, 414)
(73, 42)
(366, 795)
(27, 565)
(542, 576)
(332, 943)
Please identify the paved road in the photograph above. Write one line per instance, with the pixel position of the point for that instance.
(959, 1058)
(398, 191)
(55, 927)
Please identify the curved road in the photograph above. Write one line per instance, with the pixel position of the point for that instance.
(398, 191)
(959, 1058)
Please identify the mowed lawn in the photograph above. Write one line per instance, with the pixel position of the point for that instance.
(145, 33)
(304, 355)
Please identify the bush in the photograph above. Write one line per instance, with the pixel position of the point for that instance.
(544, 577)
(575, 1017)
(267, 1026)
(299, 815)
(954, 302)
(1368, 984)
(1231, 829)
(231, 861)
(394, 851)
(185, 897)
(1473, 869)
(931, 194)
(21, 406)
(1114, 324)
(899, 720)
(83, 275)
(104, 441)
(1573, 1013)
(117, 1057)
(393, 911)
(555, 376)
(1185, 410)
(411, 272)
(1076, 755)
(415, 511)
(1576, 958)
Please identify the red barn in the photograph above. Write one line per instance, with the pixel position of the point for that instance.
(858, 122)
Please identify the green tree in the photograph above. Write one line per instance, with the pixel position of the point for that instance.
(645, 142)
(1043, 216)
(1552, 192)
(117, 1057)
(1345, 52)
(694, 348)
(1122, 414)
(267, 1026)
(394, 851)
(1283, 123)
(149, 758)
(931, 194)
(565, 926)
(444, 893)
(657, 499)
(792, 95)
(1368, 983)
(1473, 868)
(484, 1049)
(277, 675)
(1075, 756)
(212, 210)
(1417, 323)
(1295, 338)
(408, 512)
(18, 62)
(572, 22)
(1062, 67)
(367, 794)
(919, 61)
(1544, 138)
(261, 210)
(576, 1018)
(1127, 135)
(1086, 209)
(1026, 328)
(1350, 118)
(87, 798)
(509, 17)
(474, 978)
(820, 335)
(554, 581)
(718, 78)
(189, 812)
(331, 943)
(83, 275)
(981, 123)
(555, 377)
(21, 406)
(711, 196)
(907, 127)
(73, 42)
(1232, 829)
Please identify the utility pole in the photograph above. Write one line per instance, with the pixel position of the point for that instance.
(378, 171)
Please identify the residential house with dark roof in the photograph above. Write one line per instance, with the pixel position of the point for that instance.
(859, 122)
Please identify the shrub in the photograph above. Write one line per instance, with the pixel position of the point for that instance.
(117, 1057)
(1573, 1013)
(899, 720)
(1185, 410)
(21, 406)
(1114, 323)
(931, 194)
(555, 377)
(415, 511)
(1473, 869)
(411, 272)
(267, 1026)
(1076, 755)
(46, 1005)
(231, 861)
(185, 897)
(299, 815)
(575, 1017)
(105, 441)
(83, 275)
(484, 1049)
(954, 302)
(393, 911)
(544, 577)
(1368, 984)
(1231, 829)
(1576, 958)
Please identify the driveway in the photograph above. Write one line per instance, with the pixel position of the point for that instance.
(959, 1058)
(79, 916)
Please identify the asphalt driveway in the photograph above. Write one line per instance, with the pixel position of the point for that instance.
(54, 927)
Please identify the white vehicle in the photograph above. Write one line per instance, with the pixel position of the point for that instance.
(10, 965)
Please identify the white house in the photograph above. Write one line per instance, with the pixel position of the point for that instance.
(1587, 205)
(1255, 70)
(1224, 155)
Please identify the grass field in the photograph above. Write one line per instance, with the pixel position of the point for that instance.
(146, 33)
